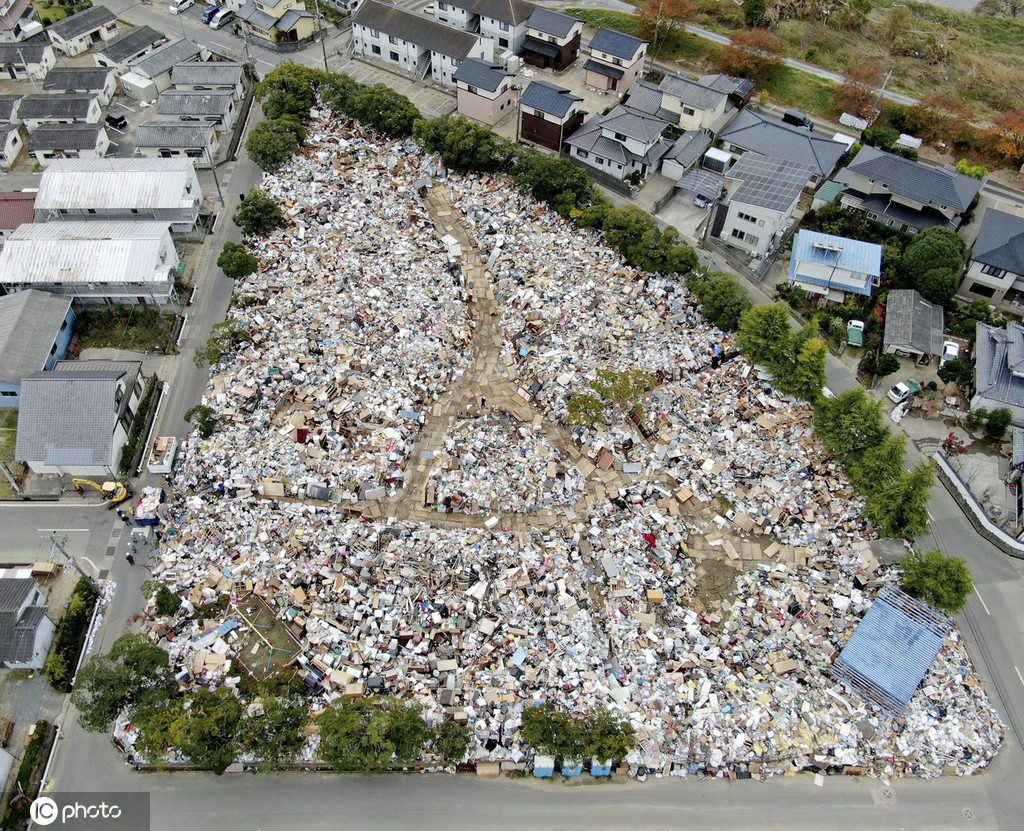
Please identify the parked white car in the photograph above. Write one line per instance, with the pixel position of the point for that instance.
(950, 352)
(178, 6)
(903, 390)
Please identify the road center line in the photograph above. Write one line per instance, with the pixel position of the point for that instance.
(1019, 675)
(63, 530)
(982, 599)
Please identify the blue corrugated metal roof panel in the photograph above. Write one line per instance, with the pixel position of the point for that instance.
(841, 252)
(892, 648)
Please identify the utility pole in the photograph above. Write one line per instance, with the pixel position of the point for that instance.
(875, 110)
(213, 169)
(58, 545)
(320, 29)
(24, 63)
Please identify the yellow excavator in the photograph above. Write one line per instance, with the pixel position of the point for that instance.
(113, 492)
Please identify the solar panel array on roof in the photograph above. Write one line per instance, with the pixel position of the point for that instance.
(892, 648)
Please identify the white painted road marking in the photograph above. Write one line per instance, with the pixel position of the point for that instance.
(982, 599)
(1020, 676)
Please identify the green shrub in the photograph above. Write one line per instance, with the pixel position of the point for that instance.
(70, 636)
(131, 450)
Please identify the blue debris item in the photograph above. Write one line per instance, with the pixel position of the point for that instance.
(543, 767)
(598, 769)
(573, 768)
(891, 650)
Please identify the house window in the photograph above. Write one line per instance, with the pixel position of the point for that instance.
(617, 61)
(538, 114)
(391, 40)
(503, 27)
(746, 217)
(620, 136)
(64, 326)
(582, 154)
(982, 290)
(551, 39)
(599, 160)
(993, 271)
(374, 33)
(503, 43)
(53, 349)
(375, 49)
(90, 210)
(393, 56)
(194, 153)
(689, 111)
(442, 7)
(8, 393)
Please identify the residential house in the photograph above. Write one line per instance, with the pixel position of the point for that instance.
(16, 208)
(77, 33)
(127, 47)
(100, 81)
(12, 142)
(831, 267)
(47, 110)
(212, 75)
(903, 194)
(683, 155)
(27, 59)
(16, 23)
(9, 108)
(26, 631)
(759, 133)
(503, 21)
(75, 419)
(763, 192)
(35, 332)
(549, 114)
(93, 262)
(552, 39)
(616, 60)
(72, 141)
(414, 42)
(687, 104)
(171, 139)
(995, 268)
(150, 75)
(621, 143)
(210, 106)
(913, 325)
(484, 91)
(276, 21)
(121, 190)
(999, 369)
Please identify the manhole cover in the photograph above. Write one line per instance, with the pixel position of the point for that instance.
(887, 794)
(968, 813)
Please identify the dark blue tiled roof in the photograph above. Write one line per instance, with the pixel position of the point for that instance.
(615, 43)
(556, 101)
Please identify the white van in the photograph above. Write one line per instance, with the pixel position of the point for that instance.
(222, 18)
(178, 6)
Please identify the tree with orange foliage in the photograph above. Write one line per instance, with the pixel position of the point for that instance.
(941, 118)
(1008, 135)
(756, 55)
(858, 92)
(659, 18)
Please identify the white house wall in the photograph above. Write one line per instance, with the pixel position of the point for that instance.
(765, 224)
(402, 54)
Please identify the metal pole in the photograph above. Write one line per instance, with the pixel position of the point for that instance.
(24, 63)
(58, 544)
(320, 29)
(213, 168)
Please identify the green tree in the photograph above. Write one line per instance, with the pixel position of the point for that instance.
(207, 730)
(354, 737)
(289, 89)
(383, 109)
(552, 732)
(607, 737)
(224, 337)
(764, 334)
(235, 261)
(975, 171)
(938, 285)
(167, 602)
(155, 726)
(258, 214)
(849, 423)
(900, 508)
(932, 262)
(958, 371)
(407, 731)
(451, 741)
(619, 390)
(937, 579)
(753, 12)
(585, 409)
(135, 675)
(878, 466)
(205, 418)
(338, 89)
(58, 671)
(559, 182)
(271, 143)
(272, 739)
(997, 423)
(723, 301)
(887, 365)
(808, 374)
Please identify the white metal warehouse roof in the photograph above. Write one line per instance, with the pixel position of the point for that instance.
(116, 184)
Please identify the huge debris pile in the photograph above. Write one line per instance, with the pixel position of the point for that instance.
(358, 325)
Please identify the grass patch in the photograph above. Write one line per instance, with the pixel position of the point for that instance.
(133, 448)
(264, 663)
(8, 435)
(70, 636)
(30, 771)
(136, 328)
(794, 88)
(51, 10)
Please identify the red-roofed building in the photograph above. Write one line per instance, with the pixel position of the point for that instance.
(16, 208)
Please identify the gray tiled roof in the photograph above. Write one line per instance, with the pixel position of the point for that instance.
(770, 137)
(590, 138)
(90, 78)
(129, 44)
(689, 147)
(647, 98)
(615, 43)
(164, 57)
(999, 363)
(912, 323)
(53, 106)
(29, 323)
(83, 22)
(693, 93)
(33, 50)
(633, 124)
(67, 419)
(8, 105)
(1000, 241)
(551, 22)
(13, 591)
(768, 182)
(603, 69)
(480, 74)
(506, 11)
(723, 83)
(251, 13)
(922, 183)
(194, 102)
(287, 21)
(206, 72)
(17, 636)
(415, 28)
(64, 137)
(556, 101)
(173, 134)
